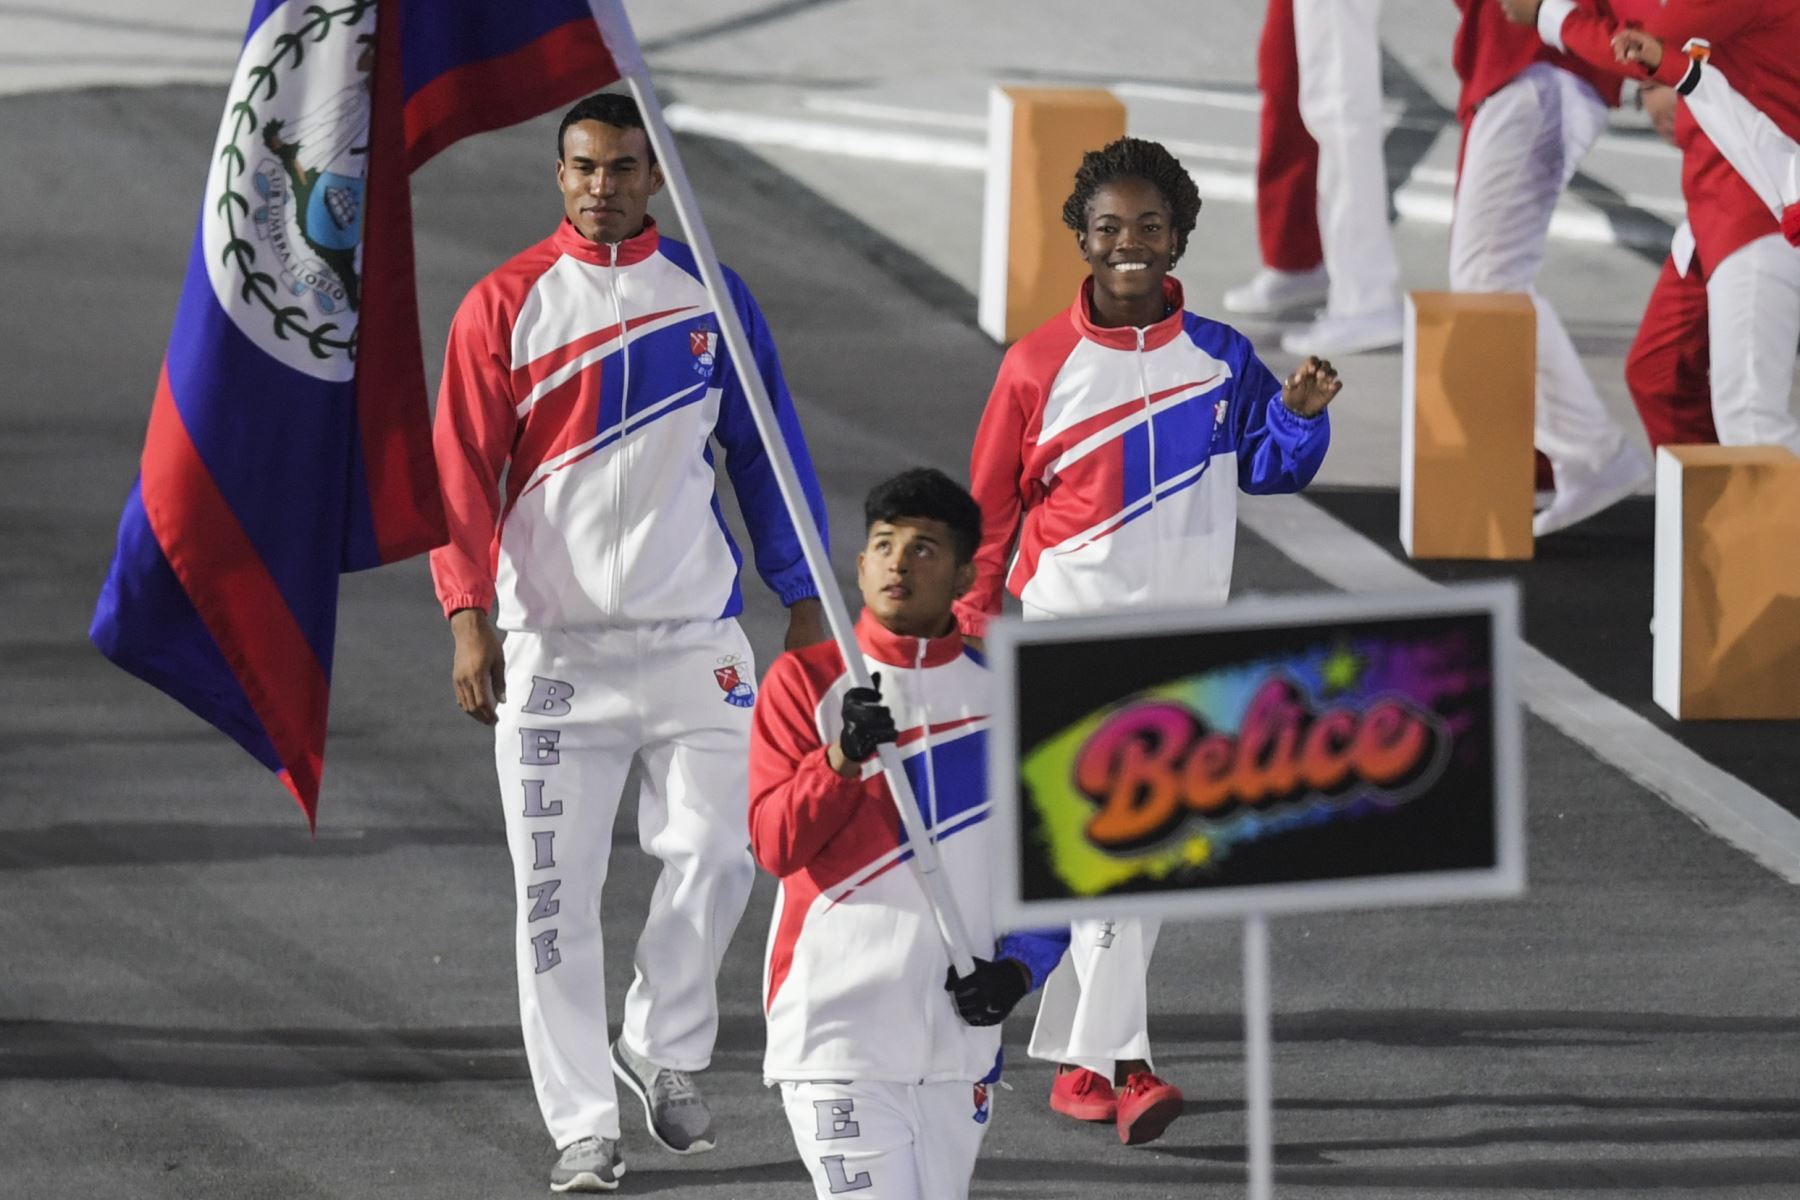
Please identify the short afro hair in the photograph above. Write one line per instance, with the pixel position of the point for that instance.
(609, 108)
(929, 493)
(1135, 158)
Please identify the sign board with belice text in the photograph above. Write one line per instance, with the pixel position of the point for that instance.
(1277, 755)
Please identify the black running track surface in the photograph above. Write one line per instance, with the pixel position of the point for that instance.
(1587, 598)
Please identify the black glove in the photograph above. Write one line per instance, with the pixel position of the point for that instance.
(995, 988)
(867, 723)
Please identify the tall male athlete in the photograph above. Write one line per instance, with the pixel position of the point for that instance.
(590, 369)
(1321, 179)
(884, 1058)
(1529, 114)
(1110, 455)
(1733, 285)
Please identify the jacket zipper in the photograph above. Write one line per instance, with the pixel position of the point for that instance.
(1150, 430)
(618, 546)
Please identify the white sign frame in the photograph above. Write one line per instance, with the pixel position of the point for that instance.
(1506, 879)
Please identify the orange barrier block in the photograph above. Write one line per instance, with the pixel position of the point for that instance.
(1029, 264)
(1727, 625)
(1469, 389)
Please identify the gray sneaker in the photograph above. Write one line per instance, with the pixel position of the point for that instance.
(673, 1107)
(590, 1165)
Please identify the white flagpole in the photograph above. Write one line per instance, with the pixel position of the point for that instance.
(621, 42)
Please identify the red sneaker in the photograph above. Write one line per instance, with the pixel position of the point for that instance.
(1083, 1095)
(1146, 1107)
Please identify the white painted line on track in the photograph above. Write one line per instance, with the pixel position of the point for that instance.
(874, 111)
(1216, 151)
(829, 137)
(1721, 803)
(1250, 102)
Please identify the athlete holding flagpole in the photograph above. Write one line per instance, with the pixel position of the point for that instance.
(886, 1067)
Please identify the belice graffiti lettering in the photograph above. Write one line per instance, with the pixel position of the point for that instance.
(1292, 754)
(1175, 779)
(1154, 764)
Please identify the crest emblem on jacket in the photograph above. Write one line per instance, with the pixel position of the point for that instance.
(704, 344)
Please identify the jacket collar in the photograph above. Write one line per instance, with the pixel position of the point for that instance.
(1125, 337)
(900, 651)
(634, 249)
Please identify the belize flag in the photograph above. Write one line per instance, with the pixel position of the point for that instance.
(289, 436)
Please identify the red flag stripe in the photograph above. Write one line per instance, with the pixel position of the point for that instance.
(236, 597)
(405, 503)
(562, 66)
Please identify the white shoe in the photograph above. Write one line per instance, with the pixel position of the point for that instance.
(590, 1165)
(1270, 291)
(1329, 335)
(1581, 493)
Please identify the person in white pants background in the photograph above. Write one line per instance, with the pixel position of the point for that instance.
(1337, 90)
(588, 371)
(1530, 117)
(1734, 279)
(1757, 149)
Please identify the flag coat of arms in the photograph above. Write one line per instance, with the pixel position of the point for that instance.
(289, 437)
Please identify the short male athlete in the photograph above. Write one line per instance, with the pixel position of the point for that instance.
(591, 370)
(1107, 466)
(886, 1061)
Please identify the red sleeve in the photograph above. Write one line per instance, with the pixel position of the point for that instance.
(995, 467)
(1588, 35)
(1718, 21)
(797, 802)
(473, 434)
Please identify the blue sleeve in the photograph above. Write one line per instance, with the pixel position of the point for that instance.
(1277, 451)
(778, 557)
(1039, 949)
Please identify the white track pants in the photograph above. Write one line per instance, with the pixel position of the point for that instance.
(889, 1141)
(581, 706)
(1753, 323)
(1524, 145)
(1339, 50)
(1095, 1009)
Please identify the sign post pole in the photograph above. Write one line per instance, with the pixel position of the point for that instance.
(1259, 1095)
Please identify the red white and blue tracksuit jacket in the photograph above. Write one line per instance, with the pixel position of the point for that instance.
(854, 981)
(1111, 460)
(595, 375)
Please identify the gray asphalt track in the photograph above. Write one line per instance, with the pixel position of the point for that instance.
(196, 1000)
